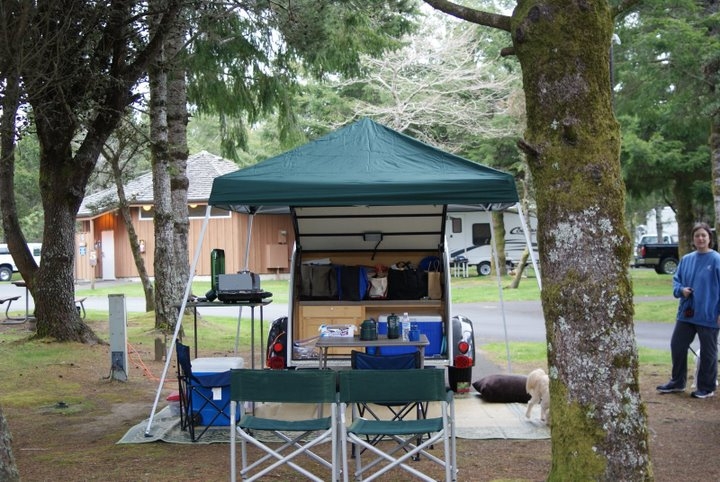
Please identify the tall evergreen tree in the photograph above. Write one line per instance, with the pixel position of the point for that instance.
(666, 106)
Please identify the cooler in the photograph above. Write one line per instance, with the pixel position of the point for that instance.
(220, 395)
(430, 326)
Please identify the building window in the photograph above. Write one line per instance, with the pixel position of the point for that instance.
(193, 212)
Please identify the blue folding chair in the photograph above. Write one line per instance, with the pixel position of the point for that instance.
(198, 408)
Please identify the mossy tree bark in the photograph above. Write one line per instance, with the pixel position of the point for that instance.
(572, 143)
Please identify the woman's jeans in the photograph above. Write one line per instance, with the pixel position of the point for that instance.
(682, 337)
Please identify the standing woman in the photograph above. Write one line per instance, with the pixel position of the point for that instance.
(697, 283)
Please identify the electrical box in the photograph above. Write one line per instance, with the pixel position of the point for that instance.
(117, 314)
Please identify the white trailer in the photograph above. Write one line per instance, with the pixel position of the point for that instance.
(469, 236)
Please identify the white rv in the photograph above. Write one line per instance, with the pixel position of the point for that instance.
(469, 236)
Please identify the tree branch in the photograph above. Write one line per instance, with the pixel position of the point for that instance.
(472, 15)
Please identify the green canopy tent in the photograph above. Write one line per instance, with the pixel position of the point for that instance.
(362, 164)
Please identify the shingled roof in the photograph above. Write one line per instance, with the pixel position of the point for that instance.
(202, 168)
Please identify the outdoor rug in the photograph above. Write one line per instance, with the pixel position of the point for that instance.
(475, 419)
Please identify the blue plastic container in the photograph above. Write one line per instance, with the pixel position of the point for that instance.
(430, 326)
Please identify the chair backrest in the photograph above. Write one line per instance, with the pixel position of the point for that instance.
(366, 361)
(420, 385)
(183, 356)
(288, 386)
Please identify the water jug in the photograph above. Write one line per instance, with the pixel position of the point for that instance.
(393, 328)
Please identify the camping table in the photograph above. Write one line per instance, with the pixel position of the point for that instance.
(326, 342)
(217, 304)
(23, 284)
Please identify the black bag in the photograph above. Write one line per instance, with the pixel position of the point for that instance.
(318, 281)
(406, 282)
(687, 307)
(352, 283)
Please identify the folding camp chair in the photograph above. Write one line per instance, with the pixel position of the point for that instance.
(406, 361)
(198, 405)
(286, 386)
(372, 386)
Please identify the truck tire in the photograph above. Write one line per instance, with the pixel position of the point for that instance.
(484, 268)
(668, 266)
(5, 273)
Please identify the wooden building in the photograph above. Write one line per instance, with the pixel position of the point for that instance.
(102, 246)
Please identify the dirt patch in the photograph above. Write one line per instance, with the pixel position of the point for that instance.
(78, 441)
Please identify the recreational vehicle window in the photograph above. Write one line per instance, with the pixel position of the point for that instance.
(481, 234)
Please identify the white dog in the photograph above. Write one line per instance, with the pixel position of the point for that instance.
(538, 387)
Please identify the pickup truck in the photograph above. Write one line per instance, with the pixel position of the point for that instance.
(663, 257)
(7, 264)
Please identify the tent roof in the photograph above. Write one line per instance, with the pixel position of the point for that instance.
(364, 163)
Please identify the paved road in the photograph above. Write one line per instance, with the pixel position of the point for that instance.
(523, 319)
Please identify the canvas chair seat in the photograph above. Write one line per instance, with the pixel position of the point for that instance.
(283, 386)
(397, 386)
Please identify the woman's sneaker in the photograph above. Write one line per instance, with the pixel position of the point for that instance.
(702, 394)
(670, 388)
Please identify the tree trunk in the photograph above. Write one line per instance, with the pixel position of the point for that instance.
(163, 219)
(599, 426)
(113, 159)
(659, 223)
(177, 118)
(684, 215)
(711, 69)
(497, 219)
(169, 158)
(53, 286)
(520, 269)
(8, 469)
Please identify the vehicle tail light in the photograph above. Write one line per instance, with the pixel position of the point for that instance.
(276, 353)
(463, 347)
(462, 361)
(642, 252)
(276, 362)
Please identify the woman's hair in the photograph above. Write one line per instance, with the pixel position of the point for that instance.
(704, 226)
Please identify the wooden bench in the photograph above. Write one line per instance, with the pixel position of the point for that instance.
(9, 301)
(80, 303)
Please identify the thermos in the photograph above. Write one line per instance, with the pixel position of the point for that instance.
(368, 330)
(393, 326)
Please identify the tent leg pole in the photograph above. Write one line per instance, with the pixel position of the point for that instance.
(181, 311)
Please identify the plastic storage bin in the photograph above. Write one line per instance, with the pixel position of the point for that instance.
(430, 326)
(219, 395)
